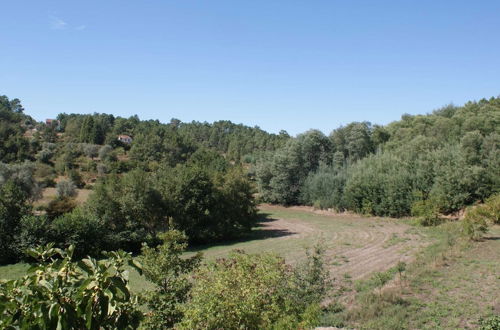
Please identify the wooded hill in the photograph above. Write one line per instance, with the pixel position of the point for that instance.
(438, 162)
(200, 177)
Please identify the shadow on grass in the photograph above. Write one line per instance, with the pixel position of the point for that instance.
(259, 232)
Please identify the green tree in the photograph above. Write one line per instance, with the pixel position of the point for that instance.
(130, 206)
(165, 266)
(13, 206)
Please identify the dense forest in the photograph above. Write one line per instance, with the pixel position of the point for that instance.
(444, 160)
(176, 183)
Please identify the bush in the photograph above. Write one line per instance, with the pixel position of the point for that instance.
(34, 231)
(45, 175)
(324, 188)
(130, 207)
(254, 292)
(86, 232)
(427, 212)
(476, 221)
(168, 270)
(60, 206)
(105, 152)
(90, 150)
(76, 178)
(379, 185)
(44, 156)
(490, 210)
(66, 189)
(490, 323)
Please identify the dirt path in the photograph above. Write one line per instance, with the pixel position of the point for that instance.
(356, 246)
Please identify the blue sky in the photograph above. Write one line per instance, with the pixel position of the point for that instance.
(287, 64)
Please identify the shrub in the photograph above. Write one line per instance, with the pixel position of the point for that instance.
(490, 323)
(255, 292)
(90, 150)
(168, 270)
(66, 189)
(45, 175)
(105, 152)
(205, 205)
(34, 231)
(427, 212)
(76, 178)
(86, 232)
(44, 156)
(476, 221)
(13, 206)
(474, 228)
(60, 206)
(324, 188)
(489, 211)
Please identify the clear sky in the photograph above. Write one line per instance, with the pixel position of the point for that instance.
(286, 64)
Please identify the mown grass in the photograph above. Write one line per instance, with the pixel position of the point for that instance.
(452, 285)
(260, 240)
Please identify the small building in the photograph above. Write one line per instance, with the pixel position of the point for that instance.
(52, 122)
(125, 139)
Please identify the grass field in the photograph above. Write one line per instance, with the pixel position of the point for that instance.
(448, 283)
(355, 245)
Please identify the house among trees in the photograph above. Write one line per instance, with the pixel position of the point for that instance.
(52, 122)
(125, 139)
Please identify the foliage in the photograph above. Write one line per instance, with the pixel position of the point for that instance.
(477, 218)
(379, 185)
(85, 232)
(61, 293)
(13, 145)
(474, 228)
(105, 152)
(45, 175)
(324, 188)
(91, 150)
(60, 206)
(426, 211)
(282, 176)
(490, 210)
(168, 270)
(13, 206)
(207, 206)
(311, 278)
(23, 176)
(66, 189)
(450, 157)
(130, 207)
(254, 292)
(490, 323)
(34, 231)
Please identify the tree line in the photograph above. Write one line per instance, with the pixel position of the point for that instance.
(447, 159)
